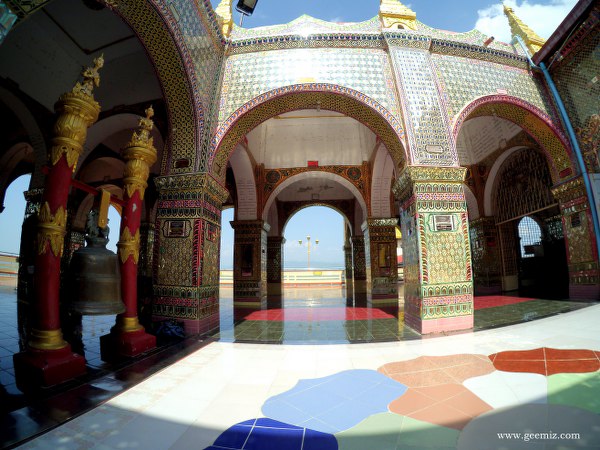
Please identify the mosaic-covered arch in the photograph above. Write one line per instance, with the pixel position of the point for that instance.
(541, 127)
(158, 31)
(329, 97)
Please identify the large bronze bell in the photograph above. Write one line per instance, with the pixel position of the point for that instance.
(95, 277)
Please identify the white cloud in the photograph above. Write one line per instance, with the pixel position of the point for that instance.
(541, 18)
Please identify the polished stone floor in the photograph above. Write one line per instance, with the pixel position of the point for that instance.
(321, 392)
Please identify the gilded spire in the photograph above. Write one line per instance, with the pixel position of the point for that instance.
(142, 137)
(91, 78)
(394, 15)
(225, 17)
(518, 28)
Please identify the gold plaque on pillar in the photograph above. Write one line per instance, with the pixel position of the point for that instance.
(176, 228)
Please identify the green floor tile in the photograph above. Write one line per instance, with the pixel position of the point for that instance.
(581, 390)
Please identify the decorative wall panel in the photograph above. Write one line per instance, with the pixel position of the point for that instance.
(576, 78)
(463, 80)
(426, 122)
(364, 70)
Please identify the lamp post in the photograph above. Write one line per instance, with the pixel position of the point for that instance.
(245, 8)
(308, 247)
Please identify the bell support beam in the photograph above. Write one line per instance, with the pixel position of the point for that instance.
(128, 337)
(49, 359)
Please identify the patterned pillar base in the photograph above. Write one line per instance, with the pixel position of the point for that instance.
(44, 368)
(438, 290)
(117, 345)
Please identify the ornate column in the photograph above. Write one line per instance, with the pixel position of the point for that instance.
(275, 269)
(186, 251)
(49, 359)
(582, 255)
(486, 254)
(128, 337)
(359, 266)
(249, 266)
(27, 250)
(145, 273)
(438, 286)
(381, 264)
(348, 272)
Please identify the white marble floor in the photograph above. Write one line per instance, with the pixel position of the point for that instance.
(191, 403)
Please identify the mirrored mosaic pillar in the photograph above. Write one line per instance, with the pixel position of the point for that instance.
(380, 259)
(249, 266)
(359, 271)
(487, 258)
(186, 252)
(349, 280)
(438, 286)
(582, 255)
(275, 270)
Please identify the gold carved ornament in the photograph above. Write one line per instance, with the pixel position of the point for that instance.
(394, 15)
(518, 28)
(76, 110)
(129, 245)
(51, 229)
(140, 154)
(225, 17)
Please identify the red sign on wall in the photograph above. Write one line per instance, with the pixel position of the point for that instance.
(313, 163)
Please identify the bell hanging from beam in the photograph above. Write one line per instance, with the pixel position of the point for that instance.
(95, 277)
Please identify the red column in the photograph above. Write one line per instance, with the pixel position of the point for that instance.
(128, 338)
(48, 359)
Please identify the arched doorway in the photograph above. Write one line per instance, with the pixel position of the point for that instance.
(313, 258)
(528, 215)
(515, 159)
(299, 146)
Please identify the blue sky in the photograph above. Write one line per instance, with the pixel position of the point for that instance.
(319, 222)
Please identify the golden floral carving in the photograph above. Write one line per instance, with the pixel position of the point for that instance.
(76, 110)
(51, 229)
(140, 154)
(129, 245)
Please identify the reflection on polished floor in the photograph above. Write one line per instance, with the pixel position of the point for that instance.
(227, 393)
(324, 315)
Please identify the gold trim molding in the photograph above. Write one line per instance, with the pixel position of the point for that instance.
(51, 230)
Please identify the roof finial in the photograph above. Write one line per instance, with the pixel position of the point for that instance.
(225, 17)
(519, 28)
(394, 15)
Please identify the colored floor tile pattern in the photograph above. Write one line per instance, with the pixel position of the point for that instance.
(190, 401)
(547, 361)
(335, 403)
(433, 402)
(267, 434)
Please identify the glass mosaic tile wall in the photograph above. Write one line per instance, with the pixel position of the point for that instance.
(426, 124)
(463, 80)
(249, 75)
(578, 82)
